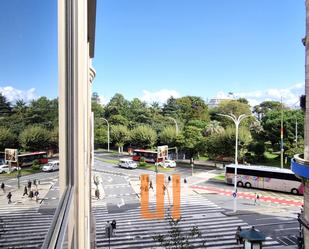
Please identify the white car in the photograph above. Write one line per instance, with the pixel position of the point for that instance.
(168, 163)
(51, 166)
(127, 163)
(6, 168)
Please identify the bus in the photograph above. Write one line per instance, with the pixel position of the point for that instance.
(28, 158)
(148, 155)
(264, 177)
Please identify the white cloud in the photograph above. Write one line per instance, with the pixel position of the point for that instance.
(12, 94)
(290, 95)
(160, 96)
(103, 100)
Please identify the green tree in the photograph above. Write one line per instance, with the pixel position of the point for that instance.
(213, 127)
(190, 140)
(54, 138)
(192, 107)
(223, 144)
(7, 139)
(143, 136)
(100, 137)
(271, 123)
(44, 112)
(120, 135)
(5, 106)
(117, 105)
(35, 138)
(168, 136)
(266, 106)
(170, 108)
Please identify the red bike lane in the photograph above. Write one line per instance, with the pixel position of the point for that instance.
(251, 196)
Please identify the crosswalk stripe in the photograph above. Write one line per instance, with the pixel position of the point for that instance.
(133, 231)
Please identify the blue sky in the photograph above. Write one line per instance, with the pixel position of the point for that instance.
(154, 49)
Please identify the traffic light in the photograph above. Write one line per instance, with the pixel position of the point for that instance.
(302, 101)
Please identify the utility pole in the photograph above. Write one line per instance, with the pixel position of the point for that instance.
(236, 122)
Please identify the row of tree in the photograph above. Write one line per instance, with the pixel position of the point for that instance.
(200, 130)
(29, 127)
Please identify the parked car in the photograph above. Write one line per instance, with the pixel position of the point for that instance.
(127, 163)
(51, 166)
(168, 163)
(6, 168)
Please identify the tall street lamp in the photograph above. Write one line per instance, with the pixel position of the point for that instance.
(236, 121)
(107, 133)
(176, 126)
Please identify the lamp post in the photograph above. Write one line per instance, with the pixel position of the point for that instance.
(107, 133)
(236, 121)
(176, 127)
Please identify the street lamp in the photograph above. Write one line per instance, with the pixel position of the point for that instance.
(176, 126)
(236, 122)
(107, 133)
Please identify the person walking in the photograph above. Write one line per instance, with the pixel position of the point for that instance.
(29, 185)
(256, 198)
(25, 191)
(113, 224)
(169, 179)
(9, 196)
(150, 185)
(36, 194)
(237, 235)
(31, 194)
(97, 193)
(185, 180)
(3, 187)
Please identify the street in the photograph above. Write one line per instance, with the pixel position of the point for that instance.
(204, 203)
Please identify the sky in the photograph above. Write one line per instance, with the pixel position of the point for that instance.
(161, 48)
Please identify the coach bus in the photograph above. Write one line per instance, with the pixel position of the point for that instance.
(27, 159)
(264, 177)
(148, 155)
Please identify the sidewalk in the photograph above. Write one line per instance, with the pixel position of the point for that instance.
(19, 200)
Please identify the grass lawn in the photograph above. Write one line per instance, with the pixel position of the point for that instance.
(112, 161)
(220, 177)
(273, 160)
(153, 168)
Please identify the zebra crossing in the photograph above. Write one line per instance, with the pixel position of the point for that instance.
(133, 231)
(22, 225)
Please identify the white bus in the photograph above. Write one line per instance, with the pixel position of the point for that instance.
(264, 177)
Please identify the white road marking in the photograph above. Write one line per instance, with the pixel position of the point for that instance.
(121, 204)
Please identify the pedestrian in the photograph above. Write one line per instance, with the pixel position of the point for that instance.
(97, 193)
(237, 235)
(185, 180)
(30, 194)
(34, 182)
(9, 196)
(150, 185)
(3, 187)
(114, 227)
(36, 194)
(29, 185)
(169, 178)
(108, 230)
(25, 191)
(256, 199)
